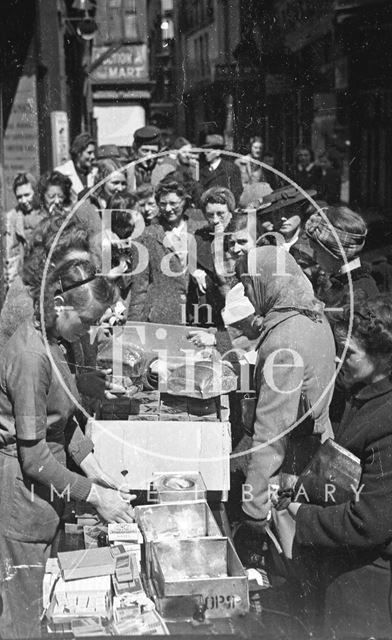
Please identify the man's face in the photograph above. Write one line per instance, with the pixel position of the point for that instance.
(211, 155)
(86, 158)
(240, 243)
(256, 150)
(146, 151)
(24, 195)
(303, 157)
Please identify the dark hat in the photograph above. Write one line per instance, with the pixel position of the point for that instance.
(281, 198)
(108, 151)
(180, 142)
(214, 141)
(147, 135)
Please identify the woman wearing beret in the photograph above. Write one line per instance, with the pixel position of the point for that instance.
(342, 551)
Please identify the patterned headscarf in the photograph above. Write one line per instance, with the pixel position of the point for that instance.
(319, 229)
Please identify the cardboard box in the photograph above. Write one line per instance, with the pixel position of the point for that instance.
(206, 566)
(136, 449)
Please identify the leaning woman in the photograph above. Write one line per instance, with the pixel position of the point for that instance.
(346, 548)
(294, 368)
(37, 429)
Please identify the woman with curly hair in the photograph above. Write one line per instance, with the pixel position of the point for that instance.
(54, 192)
(37, 428)
(213, 276)
(342, 551)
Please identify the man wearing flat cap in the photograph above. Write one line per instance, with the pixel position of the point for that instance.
(217, 171)
(147, 141)
(80, 169)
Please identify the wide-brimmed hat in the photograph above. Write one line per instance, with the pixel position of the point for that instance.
(214, 141)
(319, 229)
(282, 198)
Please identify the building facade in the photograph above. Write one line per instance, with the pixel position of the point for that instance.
(119, 75)
(326, 68)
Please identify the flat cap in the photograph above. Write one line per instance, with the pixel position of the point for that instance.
(147, 135)
(214, 141)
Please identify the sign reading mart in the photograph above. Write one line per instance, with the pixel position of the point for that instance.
(128, 64)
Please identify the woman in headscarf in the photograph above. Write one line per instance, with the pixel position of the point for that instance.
(294, 371)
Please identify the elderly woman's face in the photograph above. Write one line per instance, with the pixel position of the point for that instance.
(53, 197)
(218, 216)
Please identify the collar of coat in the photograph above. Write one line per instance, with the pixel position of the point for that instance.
(158, 230)
(370, 391)
(341, 279)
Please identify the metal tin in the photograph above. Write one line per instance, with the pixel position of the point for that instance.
(174, 521)
(179, 486)
(206, 566)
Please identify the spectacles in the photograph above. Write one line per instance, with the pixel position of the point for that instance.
(218, 214)
(173, 205)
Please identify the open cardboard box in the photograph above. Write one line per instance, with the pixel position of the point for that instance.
(132, 451)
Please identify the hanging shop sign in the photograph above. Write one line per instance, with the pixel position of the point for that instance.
(127, 65)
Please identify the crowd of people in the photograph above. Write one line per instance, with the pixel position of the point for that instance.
(255, 269)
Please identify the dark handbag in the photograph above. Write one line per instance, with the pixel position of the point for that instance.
(248, 410)
(248, 415)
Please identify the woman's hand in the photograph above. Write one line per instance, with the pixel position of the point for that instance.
(112, 506)
(94, 472)
(202, 338)
(200, 277)
(97, 384)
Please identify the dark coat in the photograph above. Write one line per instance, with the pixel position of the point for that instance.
(227, 174)
(217, 285)
(339, 539)
(155, 296)
(330, 186)
(363, 284)
(307, 178)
